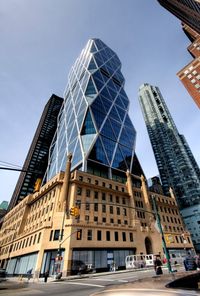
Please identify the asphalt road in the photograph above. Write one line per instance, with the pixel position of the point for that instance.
(115, 284)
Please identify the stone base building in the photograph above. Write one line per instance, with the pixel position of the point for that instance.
(115, 220)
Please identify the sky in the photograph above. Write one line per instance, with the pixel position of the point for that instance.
(40, 41)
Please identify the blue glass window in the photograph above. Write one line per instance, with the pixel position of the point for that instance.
(106, 94)
(88, 126)
(116, 127)
(90, 90)
(83, 106)
(121, 113)
(107, 130)
(113, 113)
(109, 146)
(92, 65)
(127, 153)
(112, 93)
(93, 48)
(97, 104)
(98, 116)
(77, 156)
(106, 103)
(98, 153)
(119, 162)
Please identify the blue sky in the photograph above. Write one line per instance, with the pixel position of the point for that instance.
(40, 41)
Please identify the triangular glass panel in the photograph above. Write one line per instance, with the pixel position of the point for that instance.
(71, 147)
(97, 104)
(98, 75)
(112, 93)
(87, 142)
(98, 116)
(128, 122)
(132, 136)
(98, 56)
(106, 103)
(99, 84)
(98, 153)
(98, 62)
(124, 138)
(109, 146)
(90, 90)
(93, 48)
(127, 153)
(105, 93)
(119, 162)
(107, 130)
(121, 113)
(80, 119)
(77, 156)
(113, 113)
(118, 101)
(84, 81)
(99, 44)
(83, 106)
(88, 126)
(116, 127)
(74, 133)
(92, 65)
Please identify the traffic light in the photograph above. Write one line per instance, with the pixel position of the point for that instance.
(37, 184)
(74, 211)
(79, 234)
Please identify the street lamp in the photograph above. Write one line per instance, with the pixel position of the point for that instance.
(162, 234)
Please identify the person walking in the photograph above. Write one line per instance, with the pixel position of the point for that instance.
(190, 262)
(158, 265)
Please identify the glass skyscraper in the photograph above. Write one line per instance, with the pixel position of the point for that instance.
(94, 124)
(176, 164)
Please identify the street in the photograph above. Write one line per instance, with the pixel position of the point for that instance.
(118, 283)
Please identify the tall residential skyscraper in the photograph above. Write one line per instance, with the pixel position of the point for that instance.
(188, 11)
(36, 161)
(94, 124)
(177, 166)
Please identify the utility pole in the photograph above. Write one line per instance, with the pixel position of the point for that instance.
(162, 234)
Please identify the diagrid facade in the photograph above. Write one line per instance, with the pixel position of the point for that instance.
(177, 166)
(94, 124)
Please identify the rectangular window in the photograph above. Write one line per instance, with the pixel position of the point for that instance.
(96, 207)
(103, 184)
(88, 192)
(111, 220)
(79, 190)
(89, 234)
(103, 208)
(116, 236)
(51, 235)
(108, 235)
(39, 236)
(111, 209)
(118, 211)
(87, 218)
(95, 219)
(104, 219)
(96, 194)
(80, 178)
(131, 236)
(124, 236)
(103, 196)
(119, 221)
(96, 182)
(56, 235)
(98, 235)
(87, 206)
(111, 198)
(125, 212)
(117, 199)
(123, 200)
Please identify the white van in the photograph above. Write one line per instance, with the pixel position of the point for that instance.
(138, 261)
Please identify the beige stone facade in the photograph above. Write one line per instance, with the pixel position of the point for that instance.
(115, 220)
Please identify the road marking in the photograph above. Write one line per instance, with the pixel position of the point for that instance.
(83, 284)
(110, 280)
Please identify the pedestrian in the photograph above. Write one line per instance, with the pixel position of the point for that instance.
(46, 274)
(158, 265)
(190, 262)
(29, 273)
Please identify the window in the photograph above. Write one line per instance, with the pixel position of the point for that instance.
(111, 198)
(87, 218)
(116, 187)
(95, 194)
(124, 236)
(87, 206)
(95, 219)
(116, 236)
(124, 212)
(111, 220)
(131, 236)
(125, 222)
(89, 234)
(96, 182)
(111, 209)
(104, 220)
(110, 186)
(118, 211)
(89, 180)
(117, 199)
(98, 235)
(119, 221)
(103, 184)
(123, 200)
(79, 190)
(56, 235)
(96, 207)
(51, 235)
(88, 192)
(108, 235)
(80, 178)
(39, 236)
(103, 196)
(103, 208)
(33, 240)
